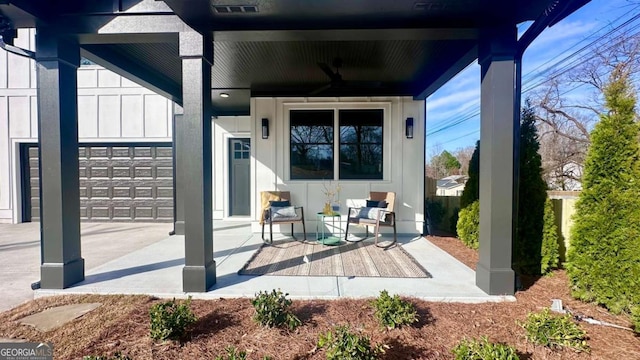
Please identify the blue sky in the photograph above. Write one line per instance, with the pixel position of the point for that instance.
(458, 101)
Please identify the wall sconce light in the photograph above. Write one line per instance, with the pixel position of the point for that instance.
(265, 128)
(409, 128)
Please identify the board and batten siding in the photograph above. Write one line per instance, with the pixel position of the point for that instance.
(403, 159)
(111, 109)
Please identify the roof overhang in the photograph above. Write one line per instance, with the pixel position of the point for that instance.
(277, 47)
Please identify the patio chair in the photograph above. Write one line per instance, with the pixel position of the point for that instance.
(277, 209)
(378, 212)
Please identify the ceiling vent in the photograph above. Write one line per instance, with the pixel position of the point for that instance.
(429, 6)
(235, 9)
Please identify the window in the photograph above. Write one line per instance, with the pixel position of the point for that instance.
(311, 144)
(359, 144)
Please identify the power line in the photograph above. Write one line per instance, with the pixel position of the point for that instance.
(474, 112)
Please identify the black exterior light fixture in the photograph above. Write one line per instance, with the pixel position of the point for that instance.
(408, 128)
(265, 128)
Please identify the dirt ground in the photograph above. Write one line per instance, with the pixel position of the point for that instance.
(122, 324)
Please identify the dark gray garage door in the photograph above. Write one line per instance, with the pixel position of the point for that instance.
(118, 182)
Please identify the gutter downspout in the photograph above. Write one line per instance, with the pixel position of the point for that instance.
(16, 50)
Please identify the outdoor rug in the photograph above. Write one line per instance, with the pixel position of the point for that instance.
(290, 257)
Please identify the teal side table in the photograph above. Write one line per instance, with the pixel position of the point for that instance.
(328, 237)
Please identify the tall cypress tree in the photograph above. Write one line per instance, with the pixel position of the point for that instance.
(532, 193)
(604, 254)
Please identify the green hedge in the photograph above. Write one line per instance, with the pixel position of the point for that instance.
(469, 225)
(550, 240)
(603, 261)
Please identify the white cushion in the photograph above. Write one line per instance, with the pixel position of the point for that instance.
(283, 212)
(371, 213)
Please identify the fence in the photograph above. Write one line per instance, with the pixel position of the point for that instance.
(443, 208)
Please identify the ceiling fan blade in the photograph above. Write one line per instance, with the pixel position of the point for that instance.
(327, 70)
(363, 84)
(320, 89)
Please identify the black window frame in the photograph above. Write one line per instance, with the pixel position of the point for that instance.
(320, 118)
(324, 168)
(368, 138)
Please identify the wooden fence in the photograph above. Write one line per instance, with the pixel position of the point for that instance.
(563, 207)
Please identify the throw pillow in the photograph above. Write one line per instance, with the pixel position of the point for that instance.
(376, 203)
(285, 212)
(371, 213)
(281, 203)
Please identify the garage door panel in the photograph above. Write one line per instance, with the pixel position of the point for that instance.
(118, 183)
(142, 152)
(99, 192)
(165, 152)
(118, 152)
(122, 192)
(142, 172)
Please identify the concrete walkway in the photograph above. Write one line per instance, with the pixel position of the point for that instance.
(157, 270)
(101, 243)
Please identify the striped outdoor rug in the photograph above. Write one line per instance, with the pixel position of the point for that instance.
(290, 257)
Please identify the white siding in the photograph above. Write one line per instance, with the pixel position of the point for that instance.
(19, 117)
(5, 184)
(109, 116)
(155, 113)
(87, 116)
(132, 116)
(403, 160)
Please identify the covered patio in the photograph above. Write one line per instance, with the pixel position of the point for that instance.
(272, 58)
(155, 270)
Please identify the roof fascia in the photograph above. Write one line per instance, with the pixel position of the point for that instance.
(431, 85)
(134, 71)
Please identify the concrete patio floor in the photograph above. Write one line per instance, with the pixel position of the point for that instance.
(156, 270)
(101, 243)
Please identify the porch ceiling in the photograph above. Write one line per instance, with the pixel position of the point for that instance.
(273, 47)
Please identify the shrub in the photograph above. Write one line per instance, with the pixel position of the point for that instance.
(483, 349)
(345, 345)
(453, 221)
(603, 261)
(635, 318)
(234, 354)
(471, 192)
(469, 225)
(169, 320)
(116, 356)
(554, 331)
(394, 312)
(550, 245)
(272, 310)
(532, 193)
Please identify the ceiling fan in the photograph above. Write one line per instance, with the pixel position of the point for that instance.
(336, 80)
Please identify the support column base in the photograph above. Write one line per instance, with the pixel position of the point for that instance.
(178, 227)
(60, 276)
(198, 278)
(495, 281)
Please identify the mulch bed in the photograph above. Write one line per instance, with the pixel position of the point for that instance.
(122, 324)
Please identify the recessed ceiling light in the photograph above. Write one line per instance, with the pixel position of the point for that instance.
(224, 95)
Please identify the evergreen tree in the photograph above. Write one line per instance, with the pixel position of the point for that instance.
(532, 193)
(604, 254)
(471, 190)
(550, 238)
